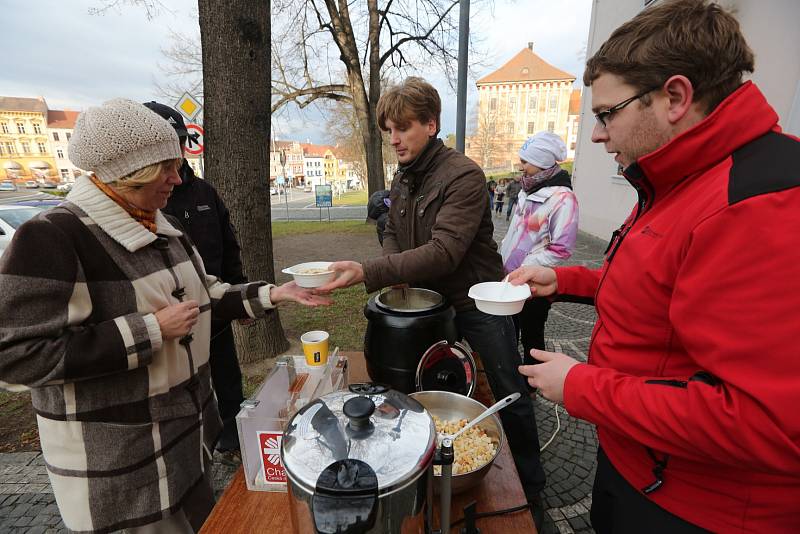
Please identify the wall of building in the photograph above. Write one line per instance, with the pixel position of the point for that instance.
(25, 148)
(770, 28)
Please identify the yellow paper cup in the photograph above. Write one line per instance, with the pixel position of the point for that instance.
(315, 347)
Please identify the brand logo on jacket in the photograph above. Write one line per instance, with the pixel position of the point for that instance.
(650, 232)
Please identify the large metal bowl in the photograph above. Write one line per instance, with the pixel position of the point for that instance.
(447, 405)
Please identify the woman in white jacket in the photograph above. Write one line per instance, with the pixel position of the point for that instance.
(543, 227)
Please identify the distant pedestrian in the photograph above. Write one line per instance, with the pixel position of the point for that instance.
(378, 211)
(500, 195)
(512, 195)
(491, 185)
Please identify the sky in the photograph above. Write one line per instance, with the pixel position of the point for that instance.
(74, 59)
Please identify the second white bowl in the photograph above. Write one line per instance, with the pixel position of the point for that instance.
(494, 299)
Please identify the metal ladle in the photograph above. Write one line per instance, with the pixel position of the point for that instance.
(496, 407)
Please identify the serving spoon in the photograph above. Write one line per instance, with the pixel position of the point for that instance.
(494, 408)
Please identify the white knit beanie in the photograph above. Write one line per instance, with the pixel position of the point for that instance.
(119, 137)
(543, 150)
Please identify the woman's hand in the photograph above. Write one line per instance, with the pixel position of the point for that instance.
(542, 280)
(178, 319)
(291, 292)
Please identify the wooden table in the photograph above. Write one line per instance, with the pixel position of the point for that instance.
(242, 511)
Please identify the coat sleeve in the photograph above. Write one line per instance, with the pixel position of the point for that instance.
(46, 336)
(734, 310)
(563, 232)
(457, 221)
(231, 252)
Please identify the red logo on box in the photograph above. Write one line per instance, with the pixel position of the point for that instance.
(270, 446)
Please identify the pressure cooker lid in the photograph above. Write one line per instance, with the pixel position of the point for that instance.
(447, 367)
(409, 300)
(387, 430)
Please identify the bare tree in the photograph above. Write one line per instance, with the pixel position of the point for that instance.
(236, 52)
(485, 141)
(340, 51)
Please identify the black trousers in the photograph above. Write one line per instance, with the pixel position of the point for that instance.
(530, 326)
(492, 337)
(226, 376)
(619, 508)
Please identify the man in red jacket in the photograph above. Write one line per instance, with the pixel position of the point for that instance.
(694, 363)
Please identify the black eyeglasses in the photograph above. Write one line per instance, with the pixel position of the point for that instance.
(603, 116)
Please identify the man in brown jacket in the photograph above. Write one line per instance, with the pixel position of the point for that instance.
(439, 236)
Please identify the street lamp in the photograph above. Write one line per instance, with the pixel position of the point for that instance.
(285, 197)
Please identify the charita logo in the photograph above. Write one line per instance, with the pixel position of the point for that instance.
(650, 232)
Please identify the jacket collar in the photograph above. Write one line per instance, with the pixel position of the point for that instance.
(742, 117)
(417, 169)
(114, 220)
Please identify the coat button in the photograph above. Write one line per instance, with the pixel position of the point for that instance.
(421, 212)
(403, 212)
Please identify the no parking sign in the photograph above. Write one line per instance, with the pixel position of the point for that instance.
(195, 145)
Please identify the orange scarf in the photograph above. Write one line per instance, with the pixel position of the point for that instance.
(145, 218)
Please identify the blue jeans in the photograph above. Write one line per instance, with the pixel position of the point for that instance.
(494, 339)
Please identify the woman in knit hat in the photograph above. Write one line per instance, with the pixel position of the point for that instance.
(543, 227)
(105, 316)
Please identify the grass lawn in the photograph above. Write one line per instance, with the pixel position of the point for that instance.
(283, 229)
(352, 198)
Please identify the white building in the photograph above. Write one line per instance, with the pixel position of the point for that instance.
(770, 27)
(313, 165)
(60, 124)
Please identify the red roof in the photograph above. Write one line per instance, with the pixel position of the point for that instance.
(57, 118)
(575, 102)
(317, 151)
(526, 67)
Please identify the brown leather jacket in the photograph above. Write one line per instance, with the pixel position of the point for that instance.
(439, 232)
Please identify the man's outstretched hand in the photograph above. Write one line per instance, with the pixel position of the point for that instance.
(348, 273)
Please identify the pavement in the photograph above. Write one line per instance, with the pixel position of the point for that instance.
(27, 504)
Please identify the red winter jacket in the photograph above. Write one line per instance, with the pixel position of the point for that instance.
(695, 356)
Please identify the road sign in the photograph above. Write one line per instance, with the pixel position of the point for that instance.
(324, 196)
(189, 106)
(280, 180)
(197, 146)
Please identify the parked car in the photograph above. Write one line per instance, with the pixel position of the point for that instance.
(49, 185)
(308, 189)
(64, 187)
(273, 190)
(30, 184)
(8, 185)
(44, 203)
(11, 218)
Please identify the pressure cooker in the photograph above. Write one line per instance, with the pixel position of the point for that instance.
(361, 461)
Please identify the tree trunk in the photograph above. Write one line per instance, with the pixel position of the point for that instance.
(373, 145)
(235, 37)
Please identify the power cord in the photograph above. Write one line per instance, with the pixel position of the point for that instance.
(481, 515)
(558, 427)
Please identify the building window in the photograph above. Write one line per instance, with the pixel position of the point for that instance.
(26, 147)
(510, 127)
(64, 174)
(493, 104)
(4, 127)
(551, 126)
(20, 128)
(68, 136)
(2, 150)
(531, 128)
(532, 102)
(553, 102)
(37, 128)
(55, 136)
(60, 153)
(10, 148)
(42, 148)
(512, 104)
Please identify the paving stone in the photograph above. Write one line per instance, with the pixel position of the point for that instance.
(38, 529)
(23, 521)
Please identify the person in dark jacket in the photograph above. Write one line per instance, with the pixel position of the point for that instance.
(202, 213)
(378, 211)
(512, 195)
(439, 236)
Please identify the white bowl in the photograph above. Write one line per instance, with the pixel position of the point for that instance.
(311, 280)
(492, 298)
